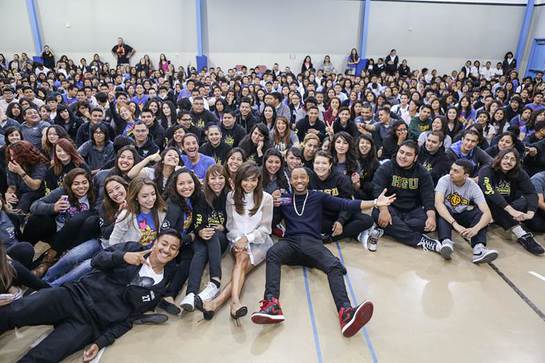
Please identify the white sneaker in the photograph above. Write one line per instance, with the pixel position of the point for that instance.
(447, 247)
(188, 303)
(374, 234)
(363, 236)
(482, 254)
(209, 292)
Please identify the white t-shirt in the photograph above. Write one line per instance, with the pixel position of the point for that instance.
(147, 271)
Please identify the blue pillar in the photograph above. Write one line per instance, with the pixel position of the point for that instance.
(364, 35)
(202, 60)
(35, 25)
(524, 29)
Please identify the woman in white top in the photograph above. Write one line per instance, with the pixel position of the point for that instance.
(249, 219)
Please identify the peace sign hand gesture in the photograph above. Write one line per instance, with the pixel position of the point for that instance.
(136, 258)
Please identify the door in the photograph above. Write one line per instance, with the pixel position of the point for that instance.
(536, 62)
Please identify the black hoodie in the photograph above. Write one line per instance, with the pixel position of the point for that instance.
(303, 125)
(336, 185)
(219, 153)
(437, 164)
(413, 187)
(232, 136)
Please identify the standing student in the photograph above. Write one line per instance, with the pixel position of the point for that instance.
(249, 218)
(302, 245)
(512, 197)
(122, 52)
(462, 207)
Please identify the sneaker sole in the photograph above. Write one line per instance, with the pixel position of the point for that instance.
(151, 320)
(446, 252)
(487, 257)
(363, 314)
(259, 318)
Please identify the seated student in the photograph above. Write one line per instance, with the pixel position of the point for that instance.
(50, 138)
(293, 160)
(343, 151)
(165, 164)
(26, 172)
(310, 144)
(141, 220)
(183, 120)
(65, 158)
(70, 122)
(412, 213)
(77, 261)
(439, 123)
(462, 207)
(367, 159)
(398, 134)
(143, 143)
(282, 136)
(302, 246)
(194, 160)
(99, 150)
(183, 193)
(215, 147)
(420, 123)
(124, 118)
(522, 122)
(234, 160)
(467, 149)
(537, 223)
(210, 239)
(127, 281)
(249, 217)
(97, 118)
(232, 132)
(256, 143)
(506, 140)
(64, 218)
(511, 196)
(275, 179)
(126, 158)
(432, 156)
(156, 131)
(534, 161)
(343, 122)
(311, 124)
(337, 225)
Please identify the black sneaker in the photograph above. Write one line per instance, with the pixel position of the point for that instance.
(528, 241)
(353, 319)
(150, 319)
(172, 309)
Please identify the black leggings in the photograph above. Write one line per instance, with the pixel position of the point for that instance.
(79, 228)
(204, 251)
(183, 262)
(22, 254)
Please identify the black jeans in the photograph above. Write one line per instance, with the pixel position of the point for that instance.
(357, 223)
(309, 252)
(22, 254)
(204, 251)
(183, 262)
(79, 228)
(54, 306)
(504, 219)
(467, 219)
(537, 224)
(407, 226)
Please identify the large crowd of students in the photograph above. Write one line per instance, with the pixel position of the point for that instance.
(137, 177)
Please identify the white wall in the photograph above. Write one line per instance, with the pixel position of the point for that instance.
(16, 35)
(254, 32)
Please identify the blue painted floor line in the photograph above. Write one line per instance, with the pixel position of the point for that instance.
(319, 355)
(355, 300)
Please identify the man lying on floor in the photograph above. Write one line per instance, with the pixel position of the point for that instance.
(126, 281)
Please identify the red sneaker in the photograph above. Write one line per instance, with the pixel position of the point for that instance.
(353, 319)
(269, 312)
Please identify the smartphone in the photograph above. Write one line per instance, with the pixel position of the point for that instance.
(64, 198)
(285, 201)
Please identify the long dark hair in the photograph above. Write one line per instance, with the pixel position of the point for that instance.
(280, 176)
(369, 161)
(25, 154)
(133, 208)
(351, 160)
(67, 184)
(248, 146)
(496, 163)
(71, 150)
(135, 155)
(171, 193)
(215, 170)
(7, 272)
(110, 207)
(247, 170)
(158, 168)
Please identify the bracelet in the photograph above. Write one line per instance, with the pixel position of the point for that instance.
(452, 223)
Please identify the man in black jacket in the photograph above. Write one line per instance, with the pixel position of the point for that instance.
(433, 157)
(245, 117)
(125, 282)
(413, 211)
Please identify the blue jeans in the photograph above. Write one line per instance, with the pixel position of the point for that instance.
(74, 264)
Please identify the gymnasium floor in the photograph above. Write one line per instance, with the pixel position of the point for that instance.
(426, 310)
